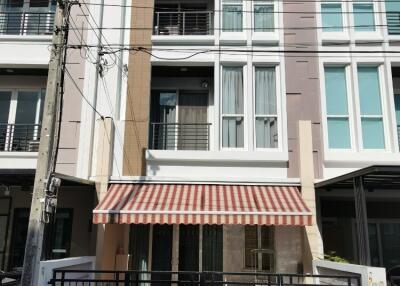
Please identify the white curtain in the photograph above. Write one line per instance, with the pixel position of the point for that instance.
(264, 18)
(266, 109)
(232, 104)
(232, 19)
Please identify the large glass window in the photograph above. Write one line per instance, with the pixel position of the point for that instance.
(232, 15)
(393, 16)
(364, 20)
(263, 16)
(232, 107)
(259, 248)
(370, 108)
(337, 108)
(266, 117)
(332, 18)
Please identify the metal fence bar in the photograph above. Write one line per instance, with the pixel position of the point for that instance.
(183, 23)
(19, 137)
(26, 23)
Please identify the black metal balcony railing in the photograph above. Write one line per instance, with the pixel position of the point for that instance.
(393, 22)
(19, 137)
(26, 23)
(164, 278)
(183, 23)
(180, 136)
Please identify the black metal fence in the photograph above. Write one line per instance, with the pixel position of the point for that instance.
(183, 23)
(19, 137)
(26, 23)
(10, 278)
(161, 278)
(180, 136)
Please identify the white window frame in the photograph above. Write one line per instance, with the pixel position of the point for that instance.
(350, 116)
(366, 35)
(244, 16)
(245, 105)
(383, 97)
(272, 3)
(278, 114)
(338, 36)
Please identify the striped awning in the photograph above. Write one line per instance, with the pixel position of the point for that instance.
(202, 204)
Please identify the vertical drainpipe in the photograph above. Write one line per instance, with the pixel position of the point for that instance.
(96, 86)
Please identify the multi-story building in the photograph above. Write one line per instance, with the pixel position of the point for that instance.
(26, 29)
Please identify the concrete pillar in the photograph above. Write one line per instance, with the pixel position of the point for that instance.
(312, 243)
(111, 238)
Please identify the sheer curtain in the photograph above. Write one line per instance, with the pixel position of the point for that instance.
(266, 108)
(232, 107)
(232, 17)
(263, 18)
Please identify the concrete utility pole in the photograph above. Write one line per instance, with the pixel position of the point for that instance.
(40, 201)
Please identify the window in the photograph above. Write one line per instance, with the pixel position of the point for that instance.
(232, 107)
(332, 20)
(263, 16)
(337, 108)
(364, 17)
(370, 108)
(259, 248)
(266, 117)
(232, 16)
(393, 16)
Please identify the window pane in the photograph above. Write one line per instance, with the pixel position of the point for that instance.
(267, 132)
(264, 18)
(232, 90)
(5, 99)
(232, 18)
(250, 241)
(364, 17)
(339, 133)
(336, 91)
(373, 134)
(393, 16)
(332, 17)
(265, 99)
(368, 85)
(26, 107)
(232, 132)
(390, 236)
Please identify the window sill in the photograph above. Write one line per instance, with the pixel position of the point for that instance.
(233, 38)
(183, 39)
(368, 37)
(216, 156)
(265, 38)
(366, 156)
(26, 38)
(335, 38)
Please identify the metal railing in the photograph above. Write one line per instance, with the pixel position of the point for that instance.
(180, 136)
(26, 23)
(10, 278)
(393, 22)
(19, 137)
(186, 278)
(183, 23)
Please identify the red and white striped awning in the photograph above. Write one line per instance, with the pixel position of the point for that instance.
(202, 204)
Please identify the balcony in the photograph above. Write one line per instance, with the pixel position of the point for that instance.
(19, 137)
(180, 136)
(393, 23)
(26, 23)
(183, 23)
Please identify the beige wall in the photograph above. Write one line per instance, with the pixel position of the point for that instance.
(80, 200)
(138, 97)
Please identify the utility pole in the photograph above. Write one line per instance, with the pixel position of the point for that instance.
(43, 204)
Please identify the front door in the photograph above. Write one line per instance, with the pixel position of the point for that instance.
(188, 252)
(19, 233)
(161, 253)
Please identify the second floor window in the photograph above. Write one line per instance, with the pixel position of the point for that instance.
(232, 15)
(332, 19)
(373, 136)
(263, 16)
(337, 108)
(364, 19)
(232, 107)
(266, 117)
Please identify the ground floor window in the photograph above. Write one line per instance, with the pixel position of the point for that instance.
(259, 248)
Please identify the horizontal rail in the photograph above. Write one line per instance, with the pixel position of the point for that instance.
(19, 137)
(99, 277)
(26, 23)
(183, 23)
(180, 136)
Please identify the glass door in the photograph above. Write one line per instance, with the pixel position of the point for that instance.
(19, 233)
(5, 206)
(5, 107)
(188, 251)
(161, 253)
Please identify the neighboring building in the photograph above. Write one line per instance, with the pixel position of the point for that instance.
(25, 36)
